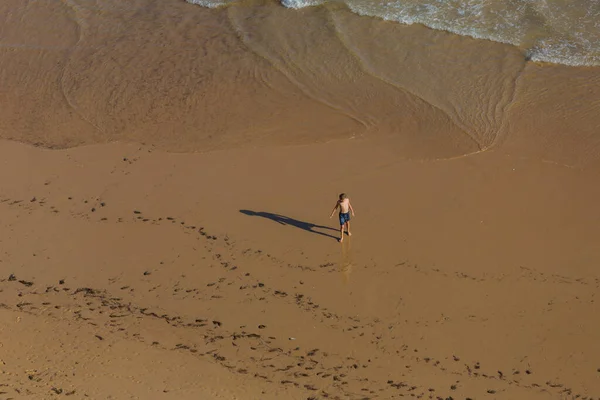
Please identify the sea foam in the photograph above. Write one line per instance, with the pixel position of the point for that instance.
(546, 30)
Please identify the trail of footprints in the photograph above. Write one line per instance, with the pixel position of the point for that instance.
(306, 368)
(250, 350)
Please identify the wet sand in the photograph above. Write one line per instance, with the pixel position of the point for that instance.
(130, 272)
(168, 172)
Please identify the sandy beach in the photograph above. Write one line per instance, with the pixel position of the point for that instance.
(167, 175)
(132, 273)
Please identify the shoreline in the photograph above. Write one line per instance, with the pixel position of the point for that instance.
(177, 245)
(341, 4)
(215, 81)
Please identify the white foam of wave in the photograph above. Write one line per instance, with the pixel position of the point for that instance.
(573, 40)
(209, 3)
(297, 4)
(572, 28)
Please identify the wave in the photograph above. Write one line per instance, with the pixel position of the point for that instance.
(553, 31)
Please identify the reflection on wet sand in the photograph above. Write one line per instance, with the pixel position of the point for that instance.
(346, 260)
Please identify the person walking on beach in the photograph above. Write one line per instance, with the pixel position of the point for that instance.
(345, 209)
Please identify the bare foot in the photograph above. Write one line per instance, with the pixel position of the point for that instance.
(341, 239)
(349, 234)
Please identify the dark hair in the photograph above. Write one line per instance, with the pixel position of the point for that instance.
(343, 196)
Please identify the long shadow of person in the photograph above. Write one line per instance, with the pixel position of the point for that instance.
(283, 220)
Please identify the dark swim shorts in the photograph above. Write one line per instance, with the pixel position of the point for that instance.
(344, 217)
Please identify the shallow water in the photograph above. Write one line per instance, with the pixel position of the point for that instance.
(255, 73)
(559, 31)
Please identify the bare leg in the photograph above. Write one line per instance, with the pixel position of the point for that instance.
(342, 233)
(348, 228)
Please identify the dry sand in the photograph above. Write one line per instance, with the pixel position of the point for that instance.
(174, 243)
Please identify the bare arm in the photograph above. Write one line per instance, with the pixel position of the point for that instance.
(351, 209)
(337, 204)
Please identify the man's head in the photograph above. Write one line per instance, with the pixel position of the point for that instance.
(343, 196)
